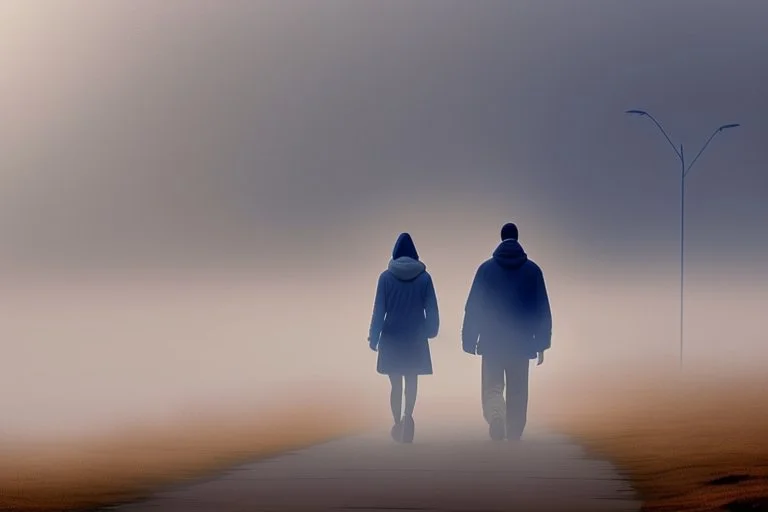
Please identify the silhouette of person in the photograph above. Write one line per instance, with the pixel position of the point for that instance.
(507, 321)
(405, 317)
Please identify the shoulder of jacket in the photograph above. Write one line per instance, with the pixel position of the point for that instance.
(484, 265)
(533, 266)
(424, 280)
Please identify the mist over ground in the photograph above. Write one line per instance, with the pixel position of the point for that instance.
(88, 355)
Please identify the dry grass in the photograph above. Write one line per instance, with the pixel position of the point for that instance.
(693, 444)
(90, 472)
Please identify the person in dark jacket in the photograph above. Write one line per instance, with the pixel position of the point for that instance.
(507, 321)
(405, 317)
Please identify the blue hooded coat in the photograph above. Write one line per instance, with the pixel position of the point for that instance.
(405, 314)
(507, 311)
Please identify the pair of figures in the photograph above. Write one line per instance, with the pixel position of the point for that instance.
(507, 321)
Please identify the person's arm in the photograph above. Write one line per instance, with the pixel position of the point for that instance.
(379, 314)
(543, 336)
(431, 311)
(470, 330)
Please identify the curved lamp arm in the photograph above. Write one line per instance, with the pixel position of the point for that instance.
(658, 125)
(724, 127)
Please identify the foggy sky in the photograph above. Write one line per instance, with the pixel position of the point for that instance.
(199, 133)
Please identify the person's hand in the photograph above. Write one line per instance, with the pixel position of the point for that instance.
(373, 345)
(540, 359)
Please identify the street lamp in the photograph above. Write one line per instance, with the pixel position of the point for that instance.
(683, 173)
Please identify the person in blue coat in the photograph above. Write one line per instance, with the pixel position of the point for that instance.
(508, 321)
(405, 317)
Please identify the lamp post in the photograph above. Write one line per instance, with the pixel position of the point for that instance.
(683, 173)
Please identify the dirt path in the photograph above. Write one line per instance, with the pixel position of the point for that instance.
(456, 470)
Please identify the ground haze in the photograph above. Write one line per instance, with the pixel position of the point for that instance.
(108, 368)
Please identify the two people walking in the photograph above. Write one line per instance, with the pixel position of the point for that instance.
(507, 321)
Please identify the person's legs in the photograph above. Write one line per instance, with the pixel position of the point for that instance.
(516, 370)
(409, 427)
(411, 390)
(396, 397)
(493, 395)
(396, 402)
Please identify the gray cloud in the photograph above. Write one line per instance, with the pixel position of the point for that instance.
(185, 133)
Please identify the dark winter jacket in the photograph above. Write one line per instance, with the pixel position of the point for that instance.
(405, 307)
(507, 311)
